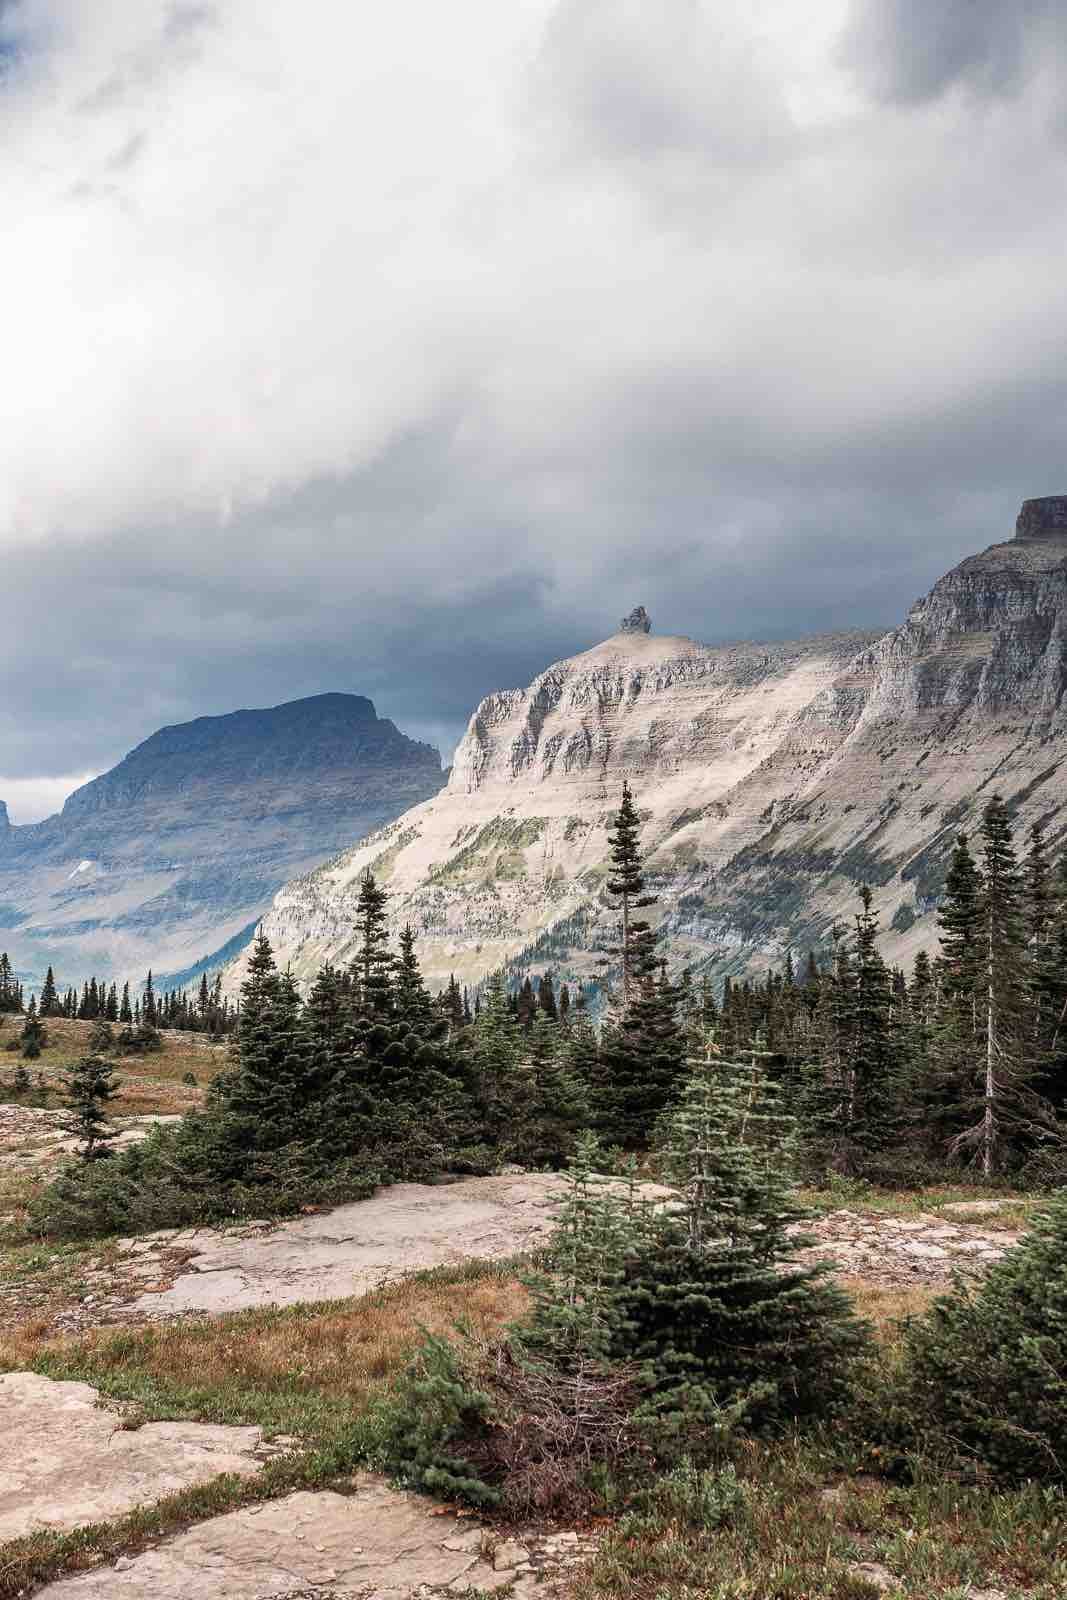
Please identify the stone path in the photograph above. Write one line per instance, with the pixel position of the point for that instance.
(325, 1256)
(357, 1248)
(67, 1460)
(377, 1544)
(898, 1250)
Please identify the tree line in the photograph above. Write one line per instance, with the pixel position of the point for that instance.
(371, 1078)
(207, 1010)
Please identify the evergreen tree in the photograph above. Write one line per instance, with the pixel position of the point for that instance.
(34, 1035)
(9, 996)
(560, 1103)
(714, 1306)
(493, 1047)
(626, 885)
(453, 1005)
(49, 1005)
(527, 1006)
(89, 1087)
(413, 1004)
(546, 998)
(125, 1013)
(269, 1088)
(373, 964)
(1054, 1077)
(149, 1014)
(871, 1052)
(641, 1059)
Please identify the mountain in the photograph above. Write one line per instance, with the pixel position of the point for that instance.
(773, 779)
(175, 853)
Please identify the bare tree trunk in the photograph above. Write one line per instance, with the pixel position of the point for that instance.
(625, 952)
(988, 1128)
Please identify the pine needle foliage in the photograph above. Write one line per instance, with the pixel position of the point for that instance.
(728, 1327)
(88, 1088)
(985, 1377)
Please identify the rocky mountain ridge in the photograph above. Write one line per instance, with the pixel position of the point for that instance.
(178, 849)
(774, 779)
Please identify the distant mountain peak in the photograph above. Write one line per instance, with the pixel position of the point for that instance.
(180, 846)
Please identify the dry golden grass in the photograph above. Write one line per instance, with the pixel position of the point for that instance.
(339, 1352)
(151, 1084)
(885, 1306)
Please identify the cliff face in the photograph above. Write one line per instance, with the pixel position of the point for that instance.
(774, 779)
(180, 847)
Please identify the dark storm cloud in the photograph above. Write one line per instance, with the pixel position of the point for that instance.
(915, 50)
(334, 361)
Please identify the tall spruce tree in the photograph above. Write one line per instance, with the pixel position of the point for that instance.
(626, 887)
(374, 962)
(270, 1085)
(871, 1049)
(49, 1005)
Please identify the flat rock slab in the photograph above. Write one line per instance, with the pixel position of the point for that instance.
(66, 1461)
(376, 1542)
(352, 1249)
(890, 1251)
(973, 1208)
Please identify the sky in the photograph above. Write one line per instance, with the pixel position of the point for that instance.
(404, 352)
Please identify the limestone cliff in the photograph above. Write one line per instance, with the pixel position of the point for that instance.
(179, 848)
(774, 779)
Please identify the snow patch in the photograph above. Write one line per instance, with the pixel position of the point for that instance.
(83, 866)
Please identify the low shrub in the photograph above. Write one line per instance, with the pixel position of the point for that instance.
(488, 1425)
(189, 1174)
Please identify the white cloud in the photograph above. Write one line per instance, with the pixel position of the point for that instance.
(319, 328)
(31, 799)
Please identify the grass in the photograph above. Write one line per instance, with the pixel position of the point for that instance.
(40, 1280)
(811, 1511)
(151, 1084)
(309, 1372)
(853, 1194)
(804, 1526)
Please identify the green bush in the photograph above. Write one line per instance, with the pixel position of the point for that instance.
(422, 1426)
(696, 1497)
(985, 1371)
(190, 1173)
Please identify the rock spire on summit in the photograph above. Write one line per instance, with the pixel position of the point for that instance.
(1043, 519)
(638, 621)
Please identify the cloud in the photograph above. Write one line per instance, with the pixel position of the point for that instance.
(406, 352)
(30, 799)
(916, 50)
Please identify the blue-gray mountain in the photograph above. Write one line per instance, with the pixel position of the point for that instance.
(179, 849)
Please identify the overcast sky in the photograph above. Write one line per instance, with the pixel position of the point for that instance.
(400, 349)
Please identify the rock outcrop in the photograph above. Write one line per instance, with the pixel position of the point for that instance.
(178, 850)
(638, 621)
(773, 779)
(1043, 519)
